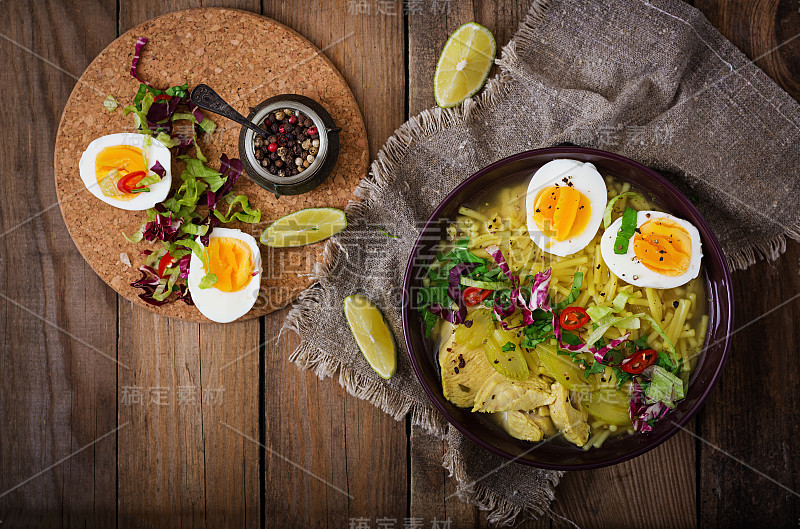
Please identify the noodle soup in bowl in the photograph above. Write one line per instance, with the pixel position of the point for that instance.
(568, 300)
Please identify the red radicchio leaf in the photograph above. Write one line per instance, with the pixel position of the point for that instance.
(162, 110)
(183, 264)
(162, 228)
(148, 282)
(185, 295)
(196, 112)
(159, 169)
(140, 42)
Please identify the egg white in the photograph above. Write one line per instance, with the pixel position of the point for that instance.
(584, 178)
(214, 304)
(628, 268)
(157, 152)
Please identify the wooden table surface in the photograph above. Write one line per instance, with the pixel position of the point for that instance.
(112, 416)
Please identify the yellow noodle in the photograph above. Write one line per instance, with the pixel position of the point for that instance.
(467, 212)
(677, 322)
(601, 439)
(655, 304)
(570, 263)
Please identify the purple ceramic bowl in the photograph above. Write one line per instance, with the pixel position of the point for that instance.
(560, 455)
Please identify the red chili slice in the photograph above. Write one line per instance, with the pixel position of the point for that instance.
(573, 318)
(639, 361)
(127, 183)
(165, 263)
(474, 295)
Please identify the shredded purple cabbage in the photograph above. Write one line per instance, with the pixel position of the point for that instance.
(163, 228)
(557, 331)
(538, 292)
(539, 289)
(231, 169)
(184, 295)
(641, 412)
(599, 354)
(196, 112)
(140, 43)
(454, 293)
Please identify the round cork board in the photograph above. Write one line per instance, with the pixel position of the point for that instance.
(246, 58)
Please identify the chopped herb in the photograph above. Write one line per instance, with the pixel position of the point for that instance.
(509, 347)
(626, 230)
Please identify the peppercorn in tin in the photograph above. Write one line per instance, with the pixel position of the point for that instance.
(301, 150)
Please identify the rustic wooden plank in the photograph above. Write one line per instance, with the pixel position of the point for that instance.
(307, 471)
(229, 395)
(161, 452)
(747, 430)
(314, 423)
(740, 416)
(58, 334)
(655, 490)
(194, 459)
(766, 31)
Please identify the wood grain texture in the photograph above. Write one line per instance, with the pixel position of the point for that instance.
(345, 441)
(745, 442)
(189, 455)
(57, 391)
(767, 31)
(748, 475)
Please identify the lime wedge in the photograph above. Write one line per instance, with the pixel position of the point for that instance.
(372, 334)
(303, 227)
(464, 64)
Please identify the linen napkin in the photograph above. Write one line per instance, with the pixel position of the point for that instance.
(651, 80)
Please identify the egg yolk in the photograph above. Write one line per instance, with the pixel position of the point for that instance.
(663, 246)
(231, 261)
(562, 212)
(124, 159)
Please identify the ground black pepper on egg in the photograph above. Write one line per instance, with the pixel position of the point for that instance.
(293, 145)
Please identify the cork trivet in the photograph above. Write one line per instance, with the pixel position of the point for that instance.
(246, 58)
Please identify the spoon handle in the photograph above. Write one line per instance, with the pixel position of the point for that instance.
(206, 98)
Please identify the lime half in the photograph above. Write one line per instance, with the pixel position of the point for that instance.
(303, 227)
(464, 64)
(372, 334)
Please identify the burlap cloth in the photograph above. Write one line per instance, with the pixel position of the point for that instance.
(653, 81)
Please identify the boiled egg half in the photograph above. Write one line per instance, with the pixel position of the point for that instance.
(234, 258)
(565, 204)
(664, 252)
(112, 164)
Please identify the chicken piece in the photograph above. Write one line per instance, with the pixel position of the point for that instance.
(525, 425)
(463, 372)
(542, 419)
(500, 393)
(568, 419)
